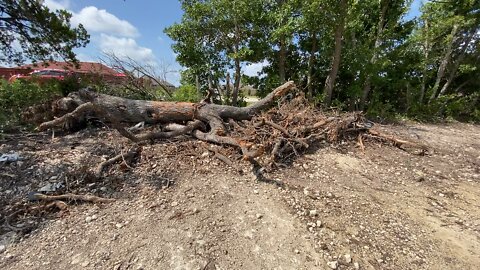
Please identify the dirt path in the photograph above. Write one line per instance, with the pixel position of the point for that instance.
(338, 209)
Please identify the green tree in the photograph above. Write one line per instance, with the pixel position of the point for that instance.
(216, 35)
(452, 27)
(30, 30)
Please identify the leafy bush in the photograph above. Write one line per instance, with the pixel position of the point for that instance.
(17, 96)
(186, 93)
(455, 106)
(69, 84)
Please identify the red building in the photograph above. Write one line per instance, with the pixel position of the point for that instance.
(88, 69)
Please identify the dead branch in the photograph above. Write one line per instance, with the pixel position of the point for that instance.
(398, 142)
(69, 197)
(120, 157)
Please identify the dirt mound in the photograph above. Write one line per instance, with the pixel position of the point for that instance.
(180, 207)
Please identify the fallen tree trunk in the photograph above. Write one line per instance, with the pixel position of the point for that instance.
(205, 121)
(153, 112)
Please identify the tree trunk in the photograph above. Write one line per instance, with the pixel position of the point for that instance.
(282, 59)
(221, 94)
(426, 47)
(330, 81)
(152, 112)
(197, 84)
(460, 58)
(311, 61)
(443, 64)
(378, 40)
(227, 87)
(236, 86)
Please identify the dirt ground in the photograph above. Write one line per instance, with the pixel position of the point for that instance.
(180, 208)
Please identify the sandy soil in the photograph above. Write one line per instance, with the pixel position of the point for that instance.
(334, 208)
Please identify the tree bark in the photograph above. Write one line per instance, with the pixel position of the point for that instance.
(227, 87)
(236, 86)
(330, 81)
(311, 61)
(378, 40)
(443, 64)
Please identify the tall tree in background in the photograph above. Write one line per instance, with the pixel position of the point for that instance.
(29, 30)
(384, 31)
(455, 27)
(219, 32)
(337, 52)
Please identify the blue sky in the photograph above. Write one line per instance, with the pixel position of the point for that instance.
(134, 28)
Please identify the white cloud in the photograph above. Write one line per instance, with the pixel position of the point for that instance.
(173, 78)
(54, 5)
(99, 20)
(86, 58)
(253, 69)
(126, 47)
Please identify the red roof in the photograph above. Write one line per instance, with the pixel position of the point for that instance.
(83, 67)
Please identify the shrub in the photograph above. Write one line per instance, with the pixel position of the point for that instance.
(186, 93)
(17, 96)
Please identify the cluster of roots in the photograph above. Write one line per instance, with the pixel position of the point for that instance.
(294, 126)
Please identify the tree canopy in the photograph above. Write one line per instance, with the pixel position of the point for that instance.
(352, 54)
(29, 30)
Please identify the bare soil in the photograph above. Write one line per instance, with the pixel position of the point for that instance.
(337, 207)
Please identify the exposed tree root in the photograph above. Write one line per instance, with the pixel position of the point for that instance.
(68, 197)
(120, 157)
(400, 143)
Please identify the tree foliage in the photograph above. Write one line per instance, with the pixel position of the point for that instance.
(29, 30)
(357, 54)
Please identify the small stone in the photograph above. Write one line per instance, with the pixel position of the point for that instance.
(2, 248)
(76, 259)
(297, 251)
(348, 258)
(119, 225)
(255, 191)
(205, 154)
(259, 216)
(312, 213)
(88, 219)
(441, 194)
(319, 223)
(356, 265)
(305, 166)
(333, 264)
(173, 204)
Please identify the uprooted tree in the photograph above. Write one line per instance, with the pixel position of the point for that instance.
(267, 133)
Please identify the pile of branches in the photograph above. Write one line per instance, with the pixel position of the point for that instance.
(268, 133)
